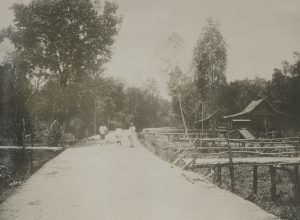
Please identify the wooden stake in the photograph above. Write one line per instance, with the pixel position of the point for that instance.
(219, 175)
(194, 162)
(231, 167)
(31, 161)
(273, 182)
(232, 180)
(23, 133)
(296, 183)
(254, 179)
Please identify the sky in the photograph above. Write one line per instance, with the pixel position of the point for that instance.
(260, 34)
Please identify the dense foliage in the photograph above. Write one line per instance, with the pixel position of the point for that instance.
(207, 93)
(55, 76)
(282, 92)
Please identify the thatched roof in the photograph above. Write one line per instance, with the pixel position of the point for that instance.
(250, 107)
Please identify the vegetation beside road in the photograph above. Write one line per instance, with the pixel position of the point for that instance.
(16, 167)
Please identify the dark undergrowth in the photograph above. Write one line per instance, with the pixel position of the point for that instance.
(16, 167)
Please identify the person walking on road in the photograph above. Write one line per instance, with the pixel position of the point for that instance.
(119, 136)
(103, 132)
(131, 134)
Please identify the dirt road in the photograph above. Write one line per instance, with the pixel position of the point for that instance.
(121, 183)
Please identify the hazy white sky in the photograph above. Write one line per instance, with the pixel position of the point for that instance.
(260, 34)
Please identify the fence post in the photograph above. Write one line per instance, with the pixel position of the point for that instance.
(194, 161)
(219, 175)
(32, 139)
(231, 167)
(273, 182)
(296, 183)
(255, 179)
(31, 161)
(296, 149)
(23, 133)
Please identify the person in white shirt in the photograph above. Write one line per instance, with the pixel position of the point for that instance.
(103, 132)
(131, 134)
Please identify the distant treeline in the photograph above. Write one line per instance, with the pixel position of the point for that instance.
(88, 104)
(282, 92)
(206, 92)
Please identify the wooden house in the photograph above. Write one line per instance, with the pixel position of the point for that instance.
(258, 117)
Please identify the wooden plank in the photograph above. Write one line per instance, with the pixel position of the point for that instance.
(236, 148)
(265, 140)
(189, 164)
(273, 182)
(265, 154)
(180, 157)
(247, 152)
(257, 141)
(246, 161)
(254, 186)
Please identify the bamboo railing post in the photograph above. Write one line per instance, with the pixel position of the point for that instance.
(32, 139)
(296, 149)
(273, 182)
(31, 161)
(219, 175)
(231, 167)
(255, 179)
(296, 183)
(194, 162)
(23, 134)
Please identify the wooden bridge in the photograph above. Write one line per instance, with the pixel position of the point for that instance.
(217, 153)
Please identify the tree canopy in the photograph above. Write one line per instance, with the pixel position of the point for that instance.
(68, 39)
(209, 62)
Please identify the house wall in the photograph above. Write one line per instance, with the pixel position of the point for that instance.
(262, 110)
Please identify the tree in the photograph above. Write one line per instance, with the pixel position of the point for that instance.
(177, 79)
(209, 62)
(67, 40)
(239, 93)
(179, 89)
(284, 89)
(278, 89)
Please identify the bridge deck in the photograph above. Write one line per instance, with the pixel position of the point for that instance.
(246, 160)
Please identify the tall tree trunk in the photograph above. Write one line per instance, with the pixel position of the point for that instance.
(63, 84)
(182, 115)
(95, 114)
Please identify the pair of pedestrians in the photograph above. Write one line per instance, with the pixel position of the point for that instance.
(131, 135)
(103, 131)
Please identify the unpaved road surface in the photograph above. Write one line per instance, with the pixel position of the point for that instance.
(121, 183)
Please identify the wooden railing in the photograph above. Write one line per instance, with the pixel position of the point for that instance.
(220, 152)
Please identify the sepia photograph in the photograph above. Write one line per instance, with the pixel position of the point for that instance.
(149, 110)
